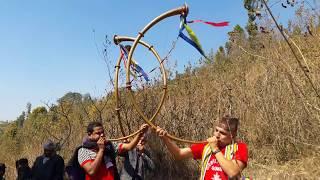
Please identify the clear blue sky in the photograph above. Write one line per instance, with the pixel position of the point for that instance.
(47, 48)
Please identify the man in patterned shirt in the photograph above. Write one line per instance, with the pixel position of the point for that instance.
(222, 156)
(97, 156)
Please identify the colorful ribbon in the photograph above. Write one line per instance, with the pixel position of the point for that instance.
(193, 39)
(134, 65)
(214, 24)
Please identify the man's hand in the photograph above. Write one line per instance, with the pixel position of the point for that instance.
(161, 132)
(143, 128)
(213, 142)
(91, 168)
(126, 141)
(129, 146)
(101, 143)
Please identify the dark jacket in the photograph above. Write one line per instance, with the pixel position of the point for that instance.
(51, 169)
(24, 173)
(135, 165)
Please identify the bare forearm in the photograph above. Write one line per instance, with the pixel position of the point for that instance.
(228, 166)
(173, 148)
(177, 152)
(95, 164)
(129, 146)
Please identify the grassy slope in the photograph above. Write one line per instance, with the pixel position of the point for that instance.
(279, 113)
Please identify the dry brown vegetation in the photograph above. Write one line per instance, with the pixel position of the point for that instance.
(257, 80)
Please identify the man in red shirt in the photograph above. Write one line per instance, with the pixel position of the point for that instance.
(222, 156)
(97, 156)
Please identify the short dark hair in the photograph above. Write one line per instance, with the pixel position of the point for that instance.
(49, 145)
(2, 167)
(22, 162)
(92, 125)
(232, 123)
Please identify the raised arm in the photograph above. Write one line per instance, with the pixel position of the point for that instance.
(129, 146)
(178, 153)
(92, 167)
(232, 168)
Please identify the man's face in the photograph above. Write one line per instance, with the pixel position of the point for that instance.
(48, 153)
(140, 145)
(97, 133)
(223, 135)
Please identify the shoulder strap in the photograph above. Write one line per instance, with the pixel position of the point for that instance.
(206, 154)
(230, 151)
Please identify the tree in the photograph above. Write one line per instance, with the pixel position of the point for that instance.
(71, 97)
(252, 6)
(20, 120)
(39, 110)
(237, 35)
(220, 56)
(28, 106)
(238, 29)
(28, 112)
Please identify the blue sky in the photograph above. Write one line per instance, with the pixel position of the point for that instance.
(48, 48)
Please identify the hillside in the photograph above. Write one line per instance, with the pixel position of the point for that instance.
(257, 80)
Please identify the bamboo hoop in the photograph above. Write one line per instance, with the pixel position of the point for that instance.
(118, 39)
(183, 10)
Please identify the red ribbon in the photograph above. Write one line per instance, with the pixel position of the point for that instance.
(219, 24)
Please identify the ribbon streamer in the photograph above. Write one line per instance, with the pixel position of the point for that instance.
(193, 40)
(135, 65)
(214, 24)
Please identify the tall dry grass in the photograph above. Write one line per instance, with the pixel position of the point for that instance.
(264, 87)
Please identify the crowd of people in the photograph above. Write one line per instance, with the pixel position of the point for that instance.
(222, 156)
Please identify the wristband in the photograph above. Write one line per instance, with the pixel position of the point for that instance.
(215, 151)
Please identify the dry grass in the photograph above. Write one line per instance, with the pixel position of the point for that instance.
(265, 87)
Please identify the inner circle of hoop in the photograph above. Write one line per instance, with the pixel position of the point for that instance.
(117, 40)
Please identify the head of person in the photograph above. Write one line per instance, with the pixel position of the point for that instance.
(141, 143)
(226, 130)
(2, 169)
(23, 162)
(95, 130)
(49, 148)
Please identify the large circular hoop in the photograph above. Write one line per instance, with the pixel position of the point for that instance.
(117, 40)
(183, 10)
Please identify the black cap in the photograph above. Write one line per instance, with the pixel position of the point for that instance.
(2, 166)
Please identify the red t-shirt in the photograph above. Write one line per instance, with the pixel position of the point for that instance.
(213, 169)
(105, 170)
